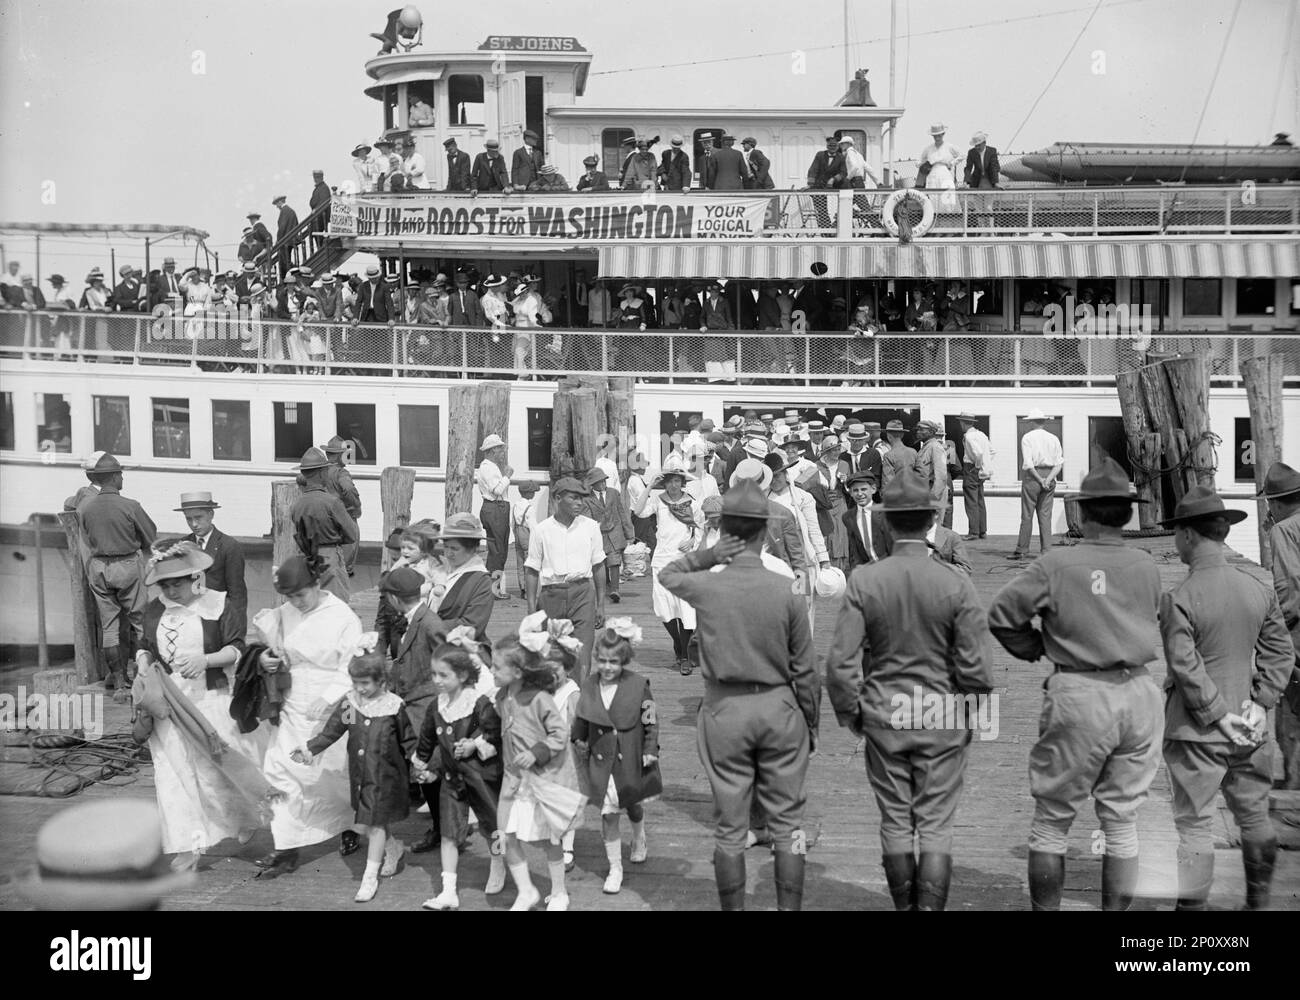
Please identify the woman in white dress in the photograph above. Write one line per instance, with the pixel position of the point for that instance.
(679, 523)
(210, 787)
(313, 635)
(941, 181)
(96, 298)
(198, 297)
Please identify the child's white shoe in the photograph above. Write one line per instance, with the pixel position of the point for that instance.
(614, 880)
(639, 849)
(496, 876)
(448, 899)
(393, 852)
(559, 902)
(527, 900)
(369, 886)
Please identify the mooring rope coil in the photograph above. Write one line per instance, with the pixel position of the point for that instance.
(1150, 473)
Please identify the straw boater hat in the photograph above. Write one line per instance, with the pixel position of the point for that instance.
(119, 866)
(182, 559)
(199, 500)
(1281, 481)
(829, 443)
(1201, 503)
(491, 441)
(857, 432)
(313, 458)
(756, 447)
(965, 417)
(1106, 481)
(907, 492)
(752, 470)
(463, 526)
(938, 129)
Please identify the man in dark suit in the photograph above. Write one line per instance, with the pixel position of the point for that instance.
(727, 170)
(675, 168)
(261, 235)
(464, 308)
(489, 172)
(865, 524)
(827, 171)
(244, 283)
(945, 545)
(320, 195)
(982, 163)
(226, 573)
(286, 224)
(593, 179)
(126, 293)
(457, 167)
(526, 165)
(372, 298)
(607, 509)
(166, 287)
(759, 165)
(859, 457)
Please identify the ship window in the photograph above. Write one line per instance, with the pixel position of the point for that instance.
(293, 431)
(539, 438)
(858, 136)
(986, 298)
(956, 433)
(612, 155)
(420, 93)
(112, 419)
(171, 428)
(1243, 451)
(1202, 297)
(417, 433)
(1295, 297)
(1023, 427)
(465, 99)
(356, 426)
(1150, 293)
(6, 421)
(53, 423)
(1032, 297)
(390, 108)
(1106, 439)
(1256, 297)
(231, 430)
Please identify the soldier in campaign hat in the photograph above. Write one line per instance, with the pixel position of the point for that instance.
(338, 481)
(1098, 603)
(323, 528)
(1282, 493)
(1229, 658)
(907, 621)
(758, 721)
(898, 458)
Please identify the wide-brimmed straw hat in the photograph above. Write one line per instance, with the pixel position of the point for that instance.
(463, 526)
(181, 559)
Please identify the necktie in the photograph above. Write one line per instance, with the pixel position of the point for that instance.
(864, 516)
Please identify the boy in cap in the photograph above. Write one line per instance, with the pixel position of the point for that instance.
(1098, 603)
(758, 721)
(322, 527)
(607, 509)
(390, 624)
(1282, 492)
(1229, 658)
(908, 623)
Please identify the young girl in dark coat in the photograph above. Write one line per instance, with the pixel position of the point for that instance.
(617, 735)
(461, 742)
(380, 740)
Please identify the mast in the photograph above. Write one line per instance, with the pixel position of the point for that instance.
(893, 122)
(848, 72)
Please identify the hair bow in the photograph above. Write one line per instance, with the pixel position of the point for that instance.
(533, 634)
(625, 628)
(561, 631)
(366, 643)
(466, 638)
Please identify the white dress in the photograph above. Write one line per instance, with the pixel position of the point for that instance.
(317, 648)
(943, 176)
(674, 541)
(199, 799)
(198, 297)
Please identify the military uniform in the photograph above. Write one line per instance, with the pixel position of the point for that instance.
(1225, 644)
(1283, 483)
(118, 536)
(323, 528)
(910, 624)
(339, 482)
(932, 466)
(760, 709)
(900, 458)
(1099, 731)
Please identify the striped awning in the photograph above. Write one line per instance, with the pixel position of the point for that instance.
(881, 258)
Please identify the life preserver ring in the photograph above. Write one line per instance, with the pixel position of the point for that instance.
(897, 198)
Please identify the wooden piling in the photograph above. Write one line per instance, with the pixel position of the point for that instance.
(284, 492)
(561, 434)
(1138, 432)
(1263, 380)
(462, 447)
(396, 491)
(85, 638)
(585, 420)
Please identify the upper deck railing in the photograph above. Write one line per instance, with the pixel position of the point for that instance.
(858, 214)
(823, 358)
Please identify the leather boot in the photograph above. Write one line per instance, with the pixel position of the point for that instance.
(1195, 873)
(1046, 880)
(789, 880)
(900, 873)
(933, 876)
(1118, 882)
(1259, 859)
(117, 670)
(729, 873)
(277, 863)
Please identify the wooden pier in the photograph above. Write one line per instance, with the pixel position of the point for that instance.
(842, 821)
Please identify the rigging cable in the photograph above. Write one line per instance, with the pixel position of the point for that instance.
(1271, 126)
(1064, 60)
(1223, 51)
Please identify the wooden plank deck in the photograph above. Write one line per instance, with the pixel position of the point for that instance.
(844, 863)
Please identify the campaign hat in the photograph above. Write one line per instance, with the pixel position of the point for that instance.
(1201, 503)
(907, 492)
(746, 499)
(313, 458)
(1107, 480)
(106, 462)
(1281, 481)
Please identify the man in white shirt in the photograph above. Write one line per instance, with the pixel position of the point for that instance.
(524, 516)
(494, 486)
(1041, 458)
(560, 576)
(976, 469)
(856, 171)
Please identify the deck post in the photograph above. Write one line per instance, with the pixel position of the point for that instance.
(284, 492)
(844, 216)
(1263, 381)
(85, 640)
(1144, 447)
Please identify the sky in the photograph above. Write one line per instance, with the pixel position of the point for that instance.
(185, 113)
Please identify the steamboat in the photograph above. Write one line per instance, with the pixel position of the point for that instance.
(1071, 271)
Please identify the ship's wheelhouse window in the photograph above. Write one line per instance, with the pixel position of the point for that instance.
(1023, 427)
(112, 420)
(956, 433)
(6, 421)
(1202, 297)
(232, 430)
(171, 428)
(417, 434)
(1243, 451)
(390, 108)
(293, 432)
(1256, 297)
(1152, 293)
(356, 426)
(1106, 439)
(858, 136)
(465, 99)
(419, 104)
(53, 423)
(539, 437)
(612, 155)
